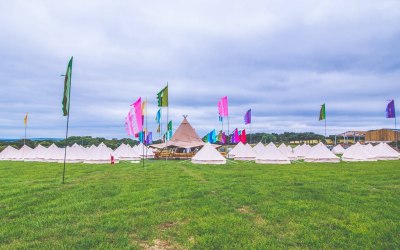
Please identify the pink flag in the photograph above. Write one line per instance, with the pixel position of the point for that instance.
(134, 122)
(223, 107)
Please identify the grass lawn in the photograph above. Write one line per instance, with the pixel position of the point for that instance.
(178, 205)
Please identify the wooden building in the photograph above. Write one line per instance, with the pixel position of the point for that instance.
(380, 135)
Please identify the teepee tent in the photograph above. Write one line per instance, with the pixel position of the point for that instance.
(301, 151)
(52, 154)
(8, 153)
(320, 153)
(258, 148)
(384, 154)
(126, 153)
(184, 137)
(237, 148)
(245, 153)
(272, 155)
(144, 152)
(287, 152)
(75, 154)
(100, 154)
(338, 150)
(357, 153)
(391, 149)
(22, 153)
(36, 153)
(208, 155)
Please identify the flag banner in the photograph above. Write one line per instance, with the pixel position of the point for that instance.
(212, 137)
(144, 106)
(158, 116)
(322, 114)
(220, 118)
(67, 88)
(223, 107)
(205, 138)
(390, 111)
(247, 117)
(134, 120)
(243, 136)
(235, 136)
(158, 128)
(149, 139)
(223, 138)
(26, 119)
(162, 97)
(129, 125)
(170, 126)
(141, 137)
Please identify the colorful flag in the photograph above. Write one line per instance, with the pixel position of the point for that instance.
(247, 117)
(144, 106)
(149, 139)
(26, 119)
(235, 136)
(158, 116)
(243, 136)
(205, 138)
(169, 126)
(162, 97)
(135, 118)
(322, 114)
(212, 137)
(67, 88)
(223, 138)
(390, 111)
(141, 136)
(223, 107)
(129, 124)
(158, 128)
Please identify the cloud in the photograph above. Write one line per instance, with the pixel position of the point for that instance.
(282, 59)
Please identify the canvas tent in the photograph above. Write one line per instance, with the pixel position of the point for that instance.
(52, 154)
(320, 153)
(245, 153)
(126, 153)
(36, 153)
(208, 155)
(8, 153)
(287, 152)
(272, 155)
(258, 148)
(100, 154)
(237, 148)
(338, 150)
(22, 153)
(383, 153)
(143, 151)
(185, 137)
(357, 153)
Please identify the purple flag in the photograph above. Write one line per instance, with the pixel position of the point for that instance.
(390, 112)
(247, 117)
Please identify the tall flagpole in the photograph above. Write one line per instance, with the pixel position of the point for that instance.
(395, 130)
(166, 158)
(146, 127)
(66, 133)
(25, 134)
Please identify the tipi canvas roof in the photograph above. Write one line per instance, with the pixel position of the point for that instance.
(272, 155)
(245, 153)
(100, 154)
(287, 152)
(184, 137)
(383, 153)
(320, 153)
(338, 150)
(258, 148)
(36, 153)
(8, 153)
(357, 153)
(237, 148)
(208, 155)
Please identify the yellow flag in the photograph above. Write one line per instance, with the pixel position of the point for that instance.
(144, 104)
(26, 119)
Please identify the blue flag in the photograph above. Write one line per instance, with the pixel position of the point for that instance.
(390, 111)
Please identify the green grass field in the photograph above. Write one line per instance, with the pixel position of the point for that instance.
(178, 205)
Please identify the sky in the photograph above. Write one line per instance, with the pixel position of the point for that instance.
(282, 59)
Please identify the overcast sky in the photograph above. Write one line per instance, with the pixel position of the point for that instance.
(282, 59)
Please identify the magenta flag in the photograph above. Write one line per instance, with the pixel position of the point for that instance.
(247, 117)
(236, 137)
(243, 136)
(223, 107)
(134, 120)
(390, 111)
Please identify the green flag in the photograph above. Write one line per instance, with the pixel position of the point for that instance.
(170, 126)
(67, 88)
(322, 114)
(162, 97)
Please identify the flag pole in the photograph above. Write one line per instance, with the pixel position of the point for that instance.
(146, 127)
(66, 133)
(166, 148)
(25, 134)
(395, 130)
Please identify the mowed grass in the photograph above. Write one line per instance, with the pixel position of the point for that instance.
(178, 205)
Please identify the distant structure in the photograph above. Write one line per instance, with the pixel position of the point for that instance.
(382, 135)
(360, 135)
